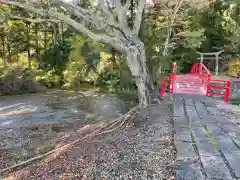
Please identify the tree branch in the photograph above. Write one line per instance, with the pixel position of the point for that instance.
(106, 9)
(169, 28)
(138, 17)
(178, 6)
(34, 20)
(109, 24)
(122, 16)
(116, 43)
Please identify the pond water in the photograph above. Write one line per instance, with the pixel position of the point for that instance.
(29, 123)
(57, 106)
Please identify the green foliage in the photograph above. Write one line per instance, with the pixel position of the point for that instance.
(49, 79)
(215, 24)
(56, 57)
(234, 46)
(234, 68)
(79, 68)
(17, 81)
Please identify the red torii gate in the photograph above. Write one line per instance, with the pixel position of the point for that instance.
(198, 81)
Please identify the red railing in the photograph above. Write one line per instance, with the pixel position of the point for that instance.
(167, 85)
(199, 71)
(226, 86)
(168, 82)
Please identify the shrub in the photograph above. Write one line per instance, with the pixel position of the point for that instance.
(234, 68)
(48, 79)
(18, 81)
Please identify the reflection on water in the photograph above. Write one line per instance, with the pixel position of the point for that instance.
(31, 123)
(57, 106)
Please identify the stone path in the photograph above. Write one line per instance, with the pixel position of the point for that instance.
(208, 146)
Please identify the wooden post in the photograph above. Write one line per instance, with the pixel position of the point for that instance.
(201, 64)
(201, 59)
(174, 68)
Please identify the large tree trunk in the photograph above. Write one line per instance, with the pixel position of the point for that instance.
(136, 61)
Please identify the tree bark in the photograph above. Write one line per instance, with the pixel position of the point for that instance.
(17, 56)
(28, 26)
(9, 51)
(3, 49)
(45, 36)
(54, 33)
(136, 61)
(37, 47)
(166, 43)
(169, 28)
(114, 58)
(62, 32)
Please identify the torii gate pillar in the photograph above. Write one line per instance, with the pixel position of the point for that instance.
(216, 54)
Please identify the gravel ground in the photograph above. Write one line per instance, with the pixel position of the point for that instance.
(141, 150)
(229, 111)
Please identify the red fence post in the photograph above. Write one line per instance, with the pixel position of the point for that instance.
(208, 85)
(172, 77)
(227, 91)
(174, 68)
(171, 83)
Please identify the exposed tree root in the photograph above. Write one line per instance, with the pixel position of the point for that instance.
(110, 127)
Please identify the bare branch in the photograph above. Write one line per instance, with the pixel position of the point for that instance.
(106, 9)
(34, 20)
(79, 12)
(121, 11)
(127, 5)
(114, 41)
(108, 25)
(178, 6)
(169, 28)
(138, 17)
